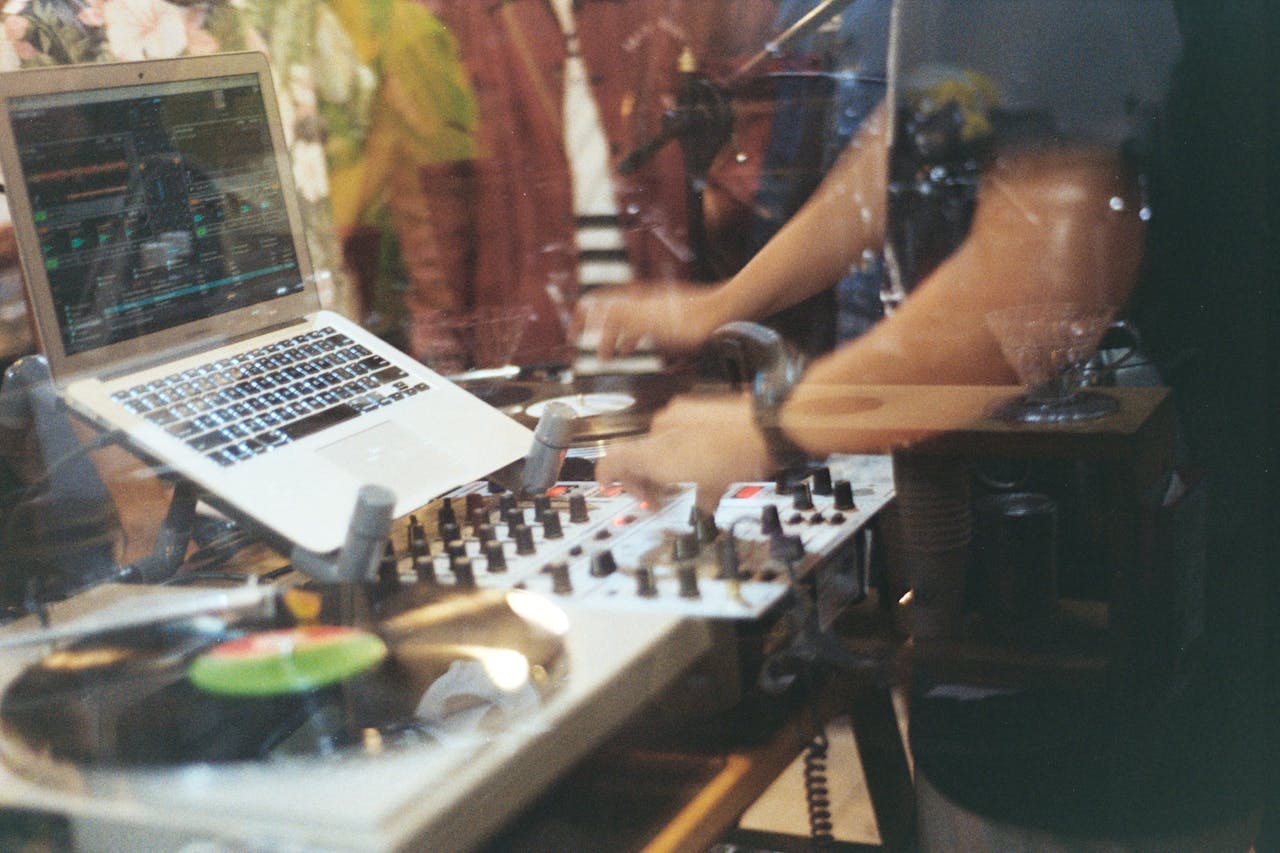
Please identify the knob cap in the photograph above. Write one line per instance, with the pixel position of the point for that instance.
(551, 525)
(801, 498)
(561, 584)
(578, 508)
(686, 547)
(727, 558)
(389, 567)
(496, 557)
(603, 564)
(523, 534)
(822, 480)
(646, 584)
(770, 521)
(688, 576)
(843, 491)
(464, 575)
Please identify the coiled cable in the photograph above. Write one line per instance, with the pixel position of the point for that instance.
(817, 796)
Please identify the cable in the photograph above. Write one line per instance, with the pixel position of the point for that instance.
(817, 797)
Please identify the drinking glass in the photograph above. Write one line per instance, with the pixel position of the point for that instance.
(1048, 345)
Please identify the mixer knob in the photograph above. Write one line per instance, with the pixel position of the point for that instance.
(464, 575)
(822, 480)
(506, 502)
(578, 508)
(496, 557)
(424, 567)
(646, 584)
(449, 531)
(704, 526)
(486, 533)
(688, 575)
(603, 564)
(801, 498)
(843, 490)
(417, 539)
(523, 535)
(389, 568)
(477, 517)
(786, 549)
(455, 548)
(513, 517)
(727, 558)
(445, 514)
(475, 501)
(560, 581)
(686, 547)
(770, 522)
(420, 552)
(551, 525)
(541, 503)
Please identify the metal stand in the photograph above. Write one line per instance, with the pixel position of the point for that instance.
(59, 531)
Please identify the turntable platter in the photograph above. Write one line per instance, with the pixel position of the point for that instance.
(608, 406)
(374, 670)
(587, 405)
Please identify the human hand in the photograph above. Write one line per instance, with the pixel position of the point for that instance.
(711, 441)
(674, 317)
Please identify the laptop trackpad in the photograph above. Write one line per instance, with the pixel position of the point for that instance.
(389, 455)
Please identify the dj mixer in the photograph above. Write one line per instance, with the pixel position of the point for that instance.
(500, 639)
(598, 546)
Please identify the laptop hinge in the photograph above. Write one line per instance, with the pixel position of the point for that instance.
(177, 353)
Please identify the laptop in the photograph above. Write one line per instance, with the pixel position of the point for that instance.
(172, 293)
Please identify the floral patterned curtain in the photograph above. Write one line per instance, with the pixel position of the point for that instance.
(325, 92)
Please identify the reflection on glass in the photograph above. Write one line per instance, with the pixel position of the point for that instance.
(977, 81)
(1048, 345)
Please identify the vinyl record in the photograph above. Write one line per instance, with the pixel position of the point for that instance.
(331, 669)
(608, 406)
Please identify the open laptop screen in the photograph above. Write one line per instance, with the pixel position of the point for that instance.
(154, 205)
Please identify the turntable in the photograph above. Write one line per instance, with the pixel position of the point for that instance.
(339, 719)
(308, 672)
(608, 407)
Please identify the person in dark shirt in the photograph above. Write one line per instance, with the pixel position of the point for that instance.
(1206, 298)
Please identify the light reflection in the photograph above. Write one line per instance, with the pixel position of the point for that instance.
(508, 670)
(539, 611)
(70, 660)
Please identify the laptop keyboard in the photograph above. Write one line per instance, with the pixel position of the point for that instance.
(238, 407)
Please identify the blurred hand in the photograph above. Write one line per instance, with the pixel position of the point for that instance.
(708, 440)
(673, 317)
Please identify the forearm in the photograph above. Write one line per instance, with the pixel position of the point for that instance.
(1050, 227)
(815, 248)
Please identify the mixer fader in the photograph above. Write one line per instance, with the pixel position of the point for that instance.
(600, 546)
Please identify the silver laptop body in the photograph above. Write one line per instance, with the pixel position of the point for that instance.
(162, 246)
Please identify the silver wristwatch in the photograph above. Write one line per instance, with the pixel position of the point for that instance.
(775, 368)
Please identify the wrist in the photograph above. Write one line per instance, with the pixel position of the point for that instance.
(714, 308)
(782, 450)
(770, 390)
